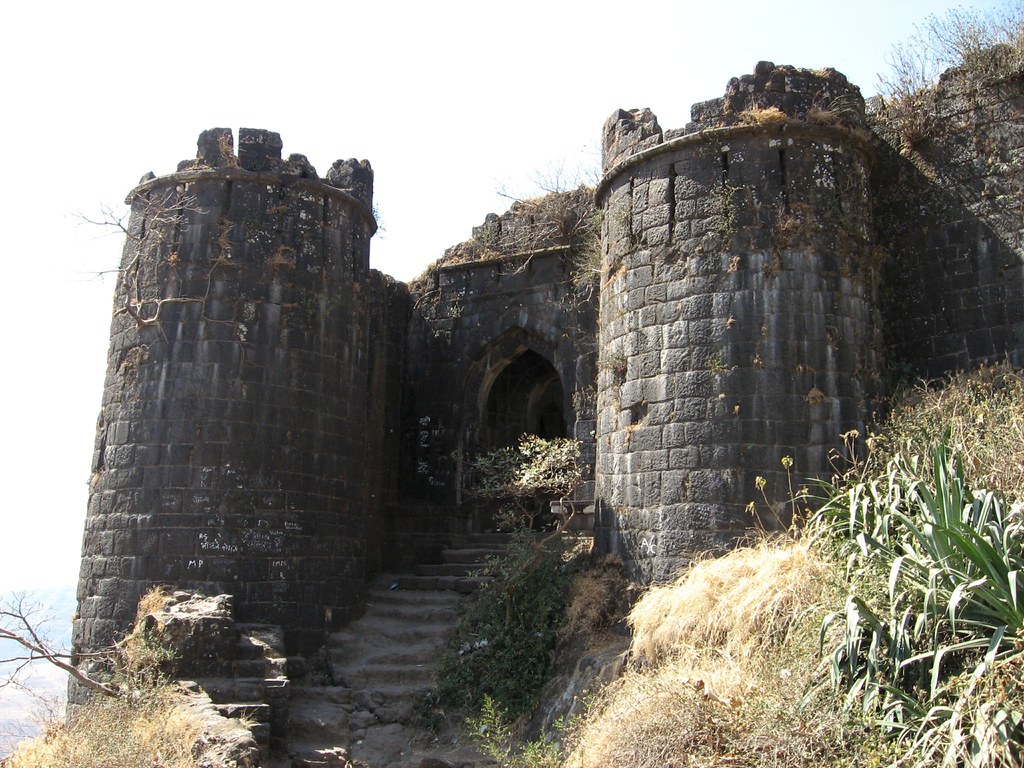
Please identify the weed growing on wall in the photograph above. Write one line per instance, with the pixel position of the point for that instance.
(986, 45)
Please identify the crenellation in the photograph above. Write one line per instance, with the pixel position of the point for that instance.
(216, 149)
(259, 150)
(626, 132)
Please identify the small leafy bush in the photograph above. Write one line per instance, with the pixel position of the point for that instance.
(504, 643)
(497, 738)
(525, 474)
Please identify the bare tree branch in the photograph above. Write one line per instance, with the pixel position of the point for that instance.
(20, 623)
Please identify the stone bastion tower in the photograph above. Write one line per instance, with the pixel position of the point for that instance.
(737, 317)
(230, 446)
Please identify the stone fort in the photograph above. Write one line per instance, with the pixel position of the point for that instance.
(280, 422)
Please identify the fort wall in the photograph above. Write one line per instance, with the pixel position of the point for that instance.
(231, 445)
(949, 207)
(737, 321)
(504, 332)
(280, 422)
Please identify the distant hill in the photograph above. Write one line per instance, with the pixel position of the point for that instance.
(45, 686)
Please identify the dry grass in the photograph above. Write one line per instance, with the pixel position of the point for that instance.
(722, 659)
(156, 599)
(140, 653)
(155, 730)
(763, 116)
(822, 116)
(598, 600)
(733, 606)
(981, 412)
(668, 717)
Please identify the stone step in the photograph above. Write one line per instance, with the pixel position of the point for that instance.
(410, 652)
(469, 555)
(385, 630)
(331, 757)
(246, 649)
(497, 540)
(373, 676)
(414, 606)
(222, 690)
(390, 692)
(464, 585)
(253, 667)
(449, 569)
(269, 635)
(258, 713)
(418, 583)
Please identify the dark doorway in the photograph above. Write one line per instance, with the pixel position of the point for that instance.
(526, 397)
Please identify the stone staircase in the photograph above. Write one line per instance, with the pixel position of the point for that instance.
(258, 690)
(377, 712)
(461, 564)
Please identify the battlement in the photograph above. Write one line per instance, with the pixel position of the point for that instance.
(778, 99)
(259, 160)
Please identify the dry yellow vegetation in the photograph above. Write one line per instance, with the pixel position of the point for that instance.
(154, 729)
(719, 668)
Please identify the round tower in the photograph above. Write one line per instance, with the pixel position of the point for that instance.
(230, 444)
(737, 319)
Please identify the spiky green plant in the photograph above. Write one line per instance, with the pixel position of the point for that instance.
(936, 613)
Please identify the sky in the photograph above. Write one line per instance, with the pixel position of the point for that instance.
(449, 101)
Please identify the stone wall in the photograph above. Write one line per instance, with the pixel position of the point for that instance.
(737, 323)
(232, 441)
(949, 191)
(516, 301)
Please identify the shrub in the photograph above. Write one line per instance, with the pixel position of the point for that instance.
(522, 475)
(932, 632)
(987, 45)
(503, 645)
(496, 736)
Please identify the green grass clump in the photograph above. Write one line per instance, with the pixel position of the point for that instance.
(933, 623)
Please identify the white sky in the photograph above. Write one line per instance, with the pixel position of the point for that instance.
(448, 100)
